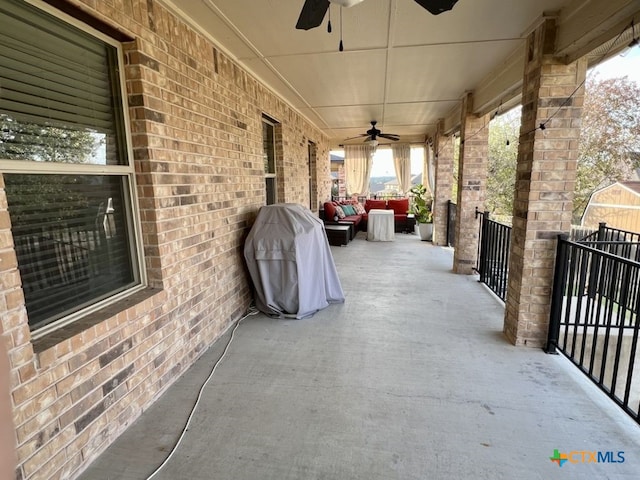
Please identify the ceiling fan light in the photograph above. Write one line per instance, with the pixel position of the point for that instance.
(371, 143)
(346, 3)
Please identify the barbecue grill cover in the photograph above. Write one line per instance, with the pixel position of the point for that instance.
(290, 262)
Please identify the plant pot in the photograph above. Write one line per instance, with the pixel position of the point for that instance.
(425, 231)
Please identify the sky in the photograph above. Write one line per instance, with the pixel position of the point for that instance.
(383, 163)
(625, 64)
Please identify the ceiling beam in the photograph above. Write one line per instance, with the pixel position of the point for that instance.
(502, 85)
(585, 25)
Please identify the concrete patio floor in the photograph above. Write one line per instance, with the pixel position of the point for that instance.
(410, 378)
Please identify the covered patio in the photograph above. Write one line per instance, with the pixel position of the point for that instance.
(412, 377)
(120, 261)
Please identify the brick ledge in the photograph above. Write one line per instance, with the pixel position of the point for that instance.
(51, 340)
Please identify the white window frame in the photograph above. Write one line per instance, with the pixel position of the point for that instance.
(128, 171)
(273, 176)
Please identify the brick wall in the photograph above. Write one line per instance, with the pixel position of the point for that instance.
(197, 144)
(443, 147)
(7, 433)
(472, 184)
(545, 181)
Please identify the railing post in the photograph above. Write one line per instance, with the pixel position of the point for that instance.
(482, 245)
(595, 262)
(557, 294)
(478, 213)
(451, 223)
(448, 222)
(602, 231)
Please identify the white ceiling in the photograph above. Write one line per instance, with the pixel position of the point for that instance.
(401, 65)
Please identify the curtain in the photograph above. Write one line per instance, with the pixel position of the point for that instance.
(429, 179)
(402, 164)
(357, 166)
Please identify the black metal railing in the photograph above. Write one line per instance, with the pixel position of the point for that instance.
(613, 240)
(594, 317)
(452, 213)
(494, 244)
(372, 196)
(342, 198)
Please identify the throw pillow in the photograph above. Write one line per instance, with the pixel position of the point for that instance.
(329, 211)
(359, 208)
(339, 211)
(348, 210)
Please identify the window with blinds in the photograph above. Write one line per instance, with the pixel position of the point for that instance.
(269, 155)
(72, 215)
(58, 100)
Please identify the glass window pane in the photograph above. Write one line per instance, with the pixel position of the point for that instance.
(59, 91)
(271, 190)
(269, 149)
(21, 140)
(71, 236)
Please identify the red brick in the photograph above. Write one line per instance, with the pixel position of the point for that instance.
(197, 131)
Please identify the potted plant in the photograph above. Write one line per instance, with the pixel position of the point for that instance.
(421, 210)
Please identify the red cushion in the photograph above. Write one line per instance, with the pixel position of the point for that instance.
(399, 206)
(329, 211)
(377, 204)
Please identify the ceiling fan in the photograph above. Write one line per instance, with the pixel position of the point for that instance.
(373, 134)
(313, 11)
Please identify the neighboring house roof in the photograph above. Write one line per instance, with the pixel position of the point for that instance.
(336, 158)
(634, 186)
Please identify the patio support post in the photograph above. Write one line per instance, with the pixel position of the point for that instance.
(472, 181)
(443, 149)
(552, 98)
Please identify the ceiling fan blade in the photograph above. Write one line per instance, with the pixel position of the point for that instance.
(357, 136)
(437, 6)
(389, 136)
(312, 14)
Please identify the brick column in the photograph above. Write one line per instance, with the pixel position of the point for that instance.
(545, 182)
(443, 148)
(472, 182)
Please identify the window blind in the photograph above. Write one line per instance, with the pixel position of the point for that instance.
(71, 239)
(51, 74)
(73, 230)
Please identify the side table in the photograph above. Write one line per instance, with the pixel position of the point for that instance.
(352, 229)
(380, 227)
(338, 234)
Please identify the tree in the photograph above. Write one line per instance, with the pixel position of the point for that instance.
(503, 156)
(609, 139)
(21, 140)
(609, 147)
(54, 197)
